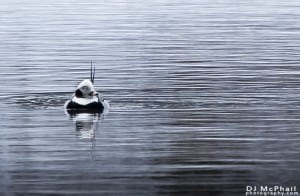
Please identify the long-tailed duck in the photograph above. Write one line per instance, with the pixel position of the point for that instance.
(86, 98)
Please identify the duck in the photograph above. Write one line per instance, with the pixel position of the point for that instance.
(86, 98)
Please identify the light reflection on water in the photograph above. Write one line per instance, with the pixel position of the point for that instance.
(204, 97)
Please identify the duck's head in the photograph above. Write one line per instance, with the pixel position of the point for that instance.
(85, 90)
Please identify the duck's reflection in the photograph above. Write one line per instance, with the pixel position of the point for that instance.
(86, 124)
(86, 127)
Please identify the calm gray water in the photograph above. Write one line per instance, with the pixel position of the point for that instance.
(205, 96)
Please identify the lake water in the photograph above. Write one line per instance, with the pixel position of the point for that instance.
(205, 96)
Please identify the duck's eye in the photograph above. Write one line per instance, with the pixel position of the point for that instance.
(85, 88)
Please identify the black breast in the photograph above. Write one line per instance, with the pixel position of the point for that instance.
(91, 107)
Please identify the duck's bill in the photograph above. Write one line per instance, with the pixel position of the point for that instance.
(94, 93)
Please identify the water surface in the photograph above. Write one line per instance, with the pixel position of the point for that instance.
(204, 97)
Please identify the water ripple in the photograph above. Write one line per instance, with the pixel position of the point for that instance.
(204, 97)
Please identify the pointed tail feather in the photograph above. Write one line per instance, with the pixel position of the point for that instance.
(91, 72)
